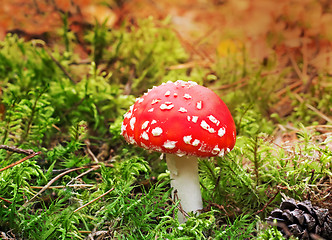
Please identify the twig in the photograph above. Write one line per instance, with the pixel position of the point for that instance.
(43, 44)
(82, 174)
(204, 36)
(90, 153)
(319, 113)
(290, 87)
(283, 226)
(179, 207)
(299, 73)
(242, 82)
(49, 184)
(94, 200)
(319, 126)
(20, 161)
(64, 186)
(17, 150)
(60, 66)
(220, 207)
(5, 200)
(268, 203)
(190, 64)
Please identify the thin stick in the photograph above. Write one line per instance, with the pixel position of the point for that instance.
(20, 161)
(267, 204)
(64, 186)
(17, 150)
(289, 87)
(296, 67)
(188, 65)
(241, 82)
(49, 184)
(94, 200)
(319, 113)
(43, 44)
(179, 207)
(220, 207)
(87, 143)
(60, 66)
(5, 200)
(82, 174)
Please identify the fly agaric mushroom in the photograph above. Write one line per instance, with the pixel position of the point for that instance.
(185, 121)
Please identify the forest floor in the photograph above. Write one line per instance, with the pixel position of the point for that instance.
(69, 70)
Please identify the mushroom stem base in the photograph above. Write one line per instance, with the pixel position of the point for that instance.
(185, 183)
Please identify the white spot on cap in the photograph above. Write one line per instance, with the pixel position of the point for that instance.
(227, 150)
(187, 96)
(203, 148)
(185, 84)
(187, 139)
(214, 120)
(188, 118)
(199, 105)
(215, 150)
(154, 101)
(132, 123)
(157, 131)
(221, 132)
(178, 82)
(166, 106)
(168, 93)
(144, 146)
(195, 142)
(192, 83)
(194, 119)
(211, 130)
(145, 124)
(129, 113)
(221, 153)
(123, 128)
(139, 100)
(207, 127)
(151, 110)
(183, 110)
(131, 140)
(145, 135)
(153, 121)
(175, 94)
(169, 144)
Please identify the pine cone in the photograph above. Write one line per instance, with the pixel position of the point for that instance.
(302, 220)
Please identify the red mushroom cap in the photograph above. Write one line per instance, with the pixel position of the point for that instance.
(181, 118)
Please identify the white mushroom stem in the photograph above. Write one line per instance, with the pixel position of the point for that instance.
(185, 181)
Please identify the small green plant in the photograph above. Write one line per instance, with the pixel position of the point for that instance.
(270, 233)
(243, 227)
(27, 120)
(140, 58)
